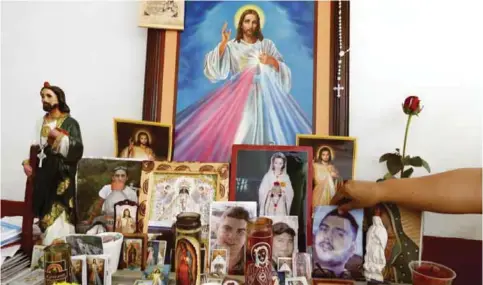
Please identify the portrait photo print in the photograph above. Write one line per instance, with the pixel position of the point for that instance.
(333, 162)
(278, 178)
(337, 250)
(142, 140)
(228, 229)
(97, 182)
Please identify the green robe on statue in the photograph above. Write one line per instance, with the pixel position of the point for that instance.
(54, 183)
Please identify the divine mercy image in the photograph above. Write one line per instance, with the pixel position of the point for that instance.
(245, 77)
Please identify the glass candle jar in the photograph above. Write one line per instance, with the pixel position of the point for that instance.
(187, 258)
(258, 270)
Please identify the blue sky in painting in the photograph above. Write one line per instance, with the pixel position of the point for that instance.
(289, 24)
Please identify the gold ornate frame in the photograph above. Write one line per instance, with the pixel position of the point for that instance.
(151, 184)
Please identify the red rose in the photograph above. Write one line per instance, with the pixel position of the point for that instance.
(46, 84)
(276, 183)
(411, 105)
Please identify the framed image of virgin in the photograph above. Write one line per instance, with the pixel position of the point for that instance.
(333, 162)
(278, 178)
(142, 140)
(251, 84)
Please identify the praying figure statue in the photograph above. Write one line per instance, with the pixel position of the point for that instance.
(276, 193)
(61, 148)
(375, 260)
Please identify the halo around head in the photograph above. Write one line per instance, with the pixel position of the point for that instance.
(253, 7)
(331, 150)
(148, 133)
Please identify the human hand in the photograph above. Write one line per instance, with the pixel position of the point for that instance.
(264, 58)
(225, 33)
(27, 169)
(361, 194)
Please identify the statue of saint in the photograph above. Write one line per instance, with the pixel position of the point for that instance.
(61, 148)
(375, 259)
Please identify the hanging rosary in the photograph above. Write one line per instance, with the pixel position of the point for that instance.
(342, 53)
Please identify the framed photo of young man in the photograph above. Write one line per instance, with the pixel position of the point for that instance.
(278, 178)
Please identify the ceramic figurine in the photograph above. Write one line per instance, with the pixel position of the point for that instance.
(375, 260)
(61, 148)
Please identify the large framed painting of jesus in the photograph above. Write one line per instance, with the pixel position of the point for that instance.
(243, 77)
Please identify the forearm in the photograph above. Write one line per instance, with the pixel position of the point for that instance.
(453, 192)
(221, 49)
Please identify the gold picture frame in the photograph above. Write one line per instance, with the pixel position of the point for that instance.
(176, 183)
(133, 129)
(149, 166)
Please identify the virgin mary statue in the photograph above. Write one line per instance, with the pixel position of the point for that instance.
(275, 193)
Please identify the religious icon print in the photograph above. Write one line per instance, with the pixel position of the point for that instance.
(219, 261)
(302, 265)
(96, 269)
(337, 243)
(134, 252)
(333, 162)
(126, 212)
(173, 192)
(278, 178)
(252, 86)
(186, 262)
(142, 140)
(162, 14)
(98, 182)
(79, 265)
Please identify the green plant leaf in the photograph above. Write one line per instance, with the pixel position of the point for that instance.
(384, 157)
(406, 160)
(426, 165)
(416, 161)
(394, 163)
(380, 180)
(407, 173)
(388, 176)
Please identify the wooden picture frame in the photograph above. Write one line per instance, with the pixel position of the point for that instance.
(120, 208)
(159, 139)
(296, 281)
(144, 241)
(331, 114)
(299, 156)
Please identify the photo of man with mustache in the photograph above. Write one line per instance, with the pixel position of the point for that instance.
(335, 243)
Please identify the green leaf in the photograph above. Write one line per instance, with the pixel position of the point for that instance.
(388, 176)
(426, 165)
(407, 173)
(406, 160)
(394, 163)
(416, 161)
(385, 156)
(380, 180)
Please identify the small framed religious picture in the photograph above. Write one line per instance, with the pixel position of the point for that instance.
(334, 160)
(126, 213)
(278, 178)
(218, 262)
(142, 140)
(296, 281)
(133, 256)
(162, 14)
(302, 265)
(284, 264)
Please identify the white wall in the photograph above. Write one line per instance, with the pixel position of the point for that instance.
(93, 50)
(430, 49)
